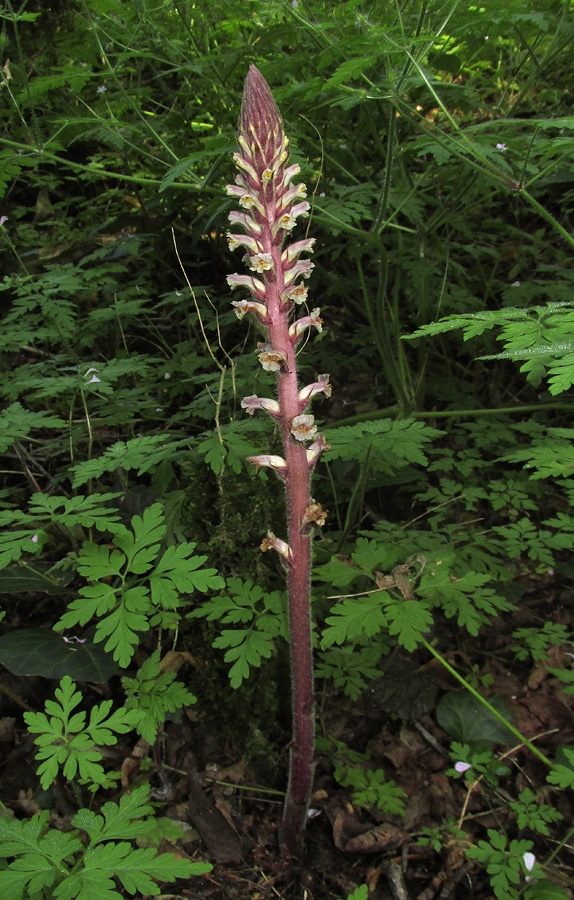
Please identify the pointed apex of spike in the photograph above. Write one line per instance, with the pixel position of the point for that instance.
(259, 111)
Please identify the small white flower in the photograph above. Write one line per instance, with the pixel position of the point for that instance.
(303, 428)
(167, 376)
(34, 538)
(298, 294)
(462, 766)
(529, 860)
(2, 220)
(515, 284)
(102, 89)
(261, 262)
(272, 360)
(501, 146)
(93, 380)
(158, 409)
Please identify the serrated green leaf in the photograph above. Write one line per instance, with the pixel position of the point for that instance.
(140, 547)
(16, 423)
(247, 648)
(408, 619)
(355, 617)
(124, 625)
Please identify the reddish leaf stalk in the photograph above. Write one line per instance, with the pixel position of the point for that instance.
(271, 205)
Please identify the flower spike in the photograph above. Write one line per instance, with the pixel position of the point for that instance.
(271, 203)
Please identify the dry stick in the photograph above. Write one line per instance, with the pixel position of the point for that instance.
(271, 204)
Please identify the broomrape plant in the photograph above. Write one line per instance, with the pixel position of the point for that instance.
(272, 204)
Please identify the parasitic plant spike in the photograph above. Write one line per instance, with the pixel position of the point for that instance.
(270, 205)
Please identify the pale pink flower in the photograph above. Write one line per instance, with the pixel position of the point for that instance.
(312, 321)
(269, 461)
(274, 543)
(317, 387)
(251, 404)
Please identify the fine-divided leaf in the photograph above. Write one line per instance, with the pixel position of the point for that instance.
(246, 603)
(127, 820)
(355, 617)
(16, 423)
(124, 625)
(467, 598)
(66, 741)
(408, 619)
(141, 453)
(42, 857)
(135, 869)
(142, 545)
(154, 694)
(247, 648)
(179, 571)
(388, 444)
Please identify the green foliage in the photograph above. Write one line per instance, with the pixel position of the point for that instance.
(533, 814)
(360, 893)
(387, 444)
(28, 530)
(245, 604)
(535, 642)
(504, 863)
(370, 787)
(68, 741)
(441, 187)
(126, 604)
(153, 694)
(562, 773)
(32, 651)
(16, 423)
(351, 668)
(467, 719)
(43, 861)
